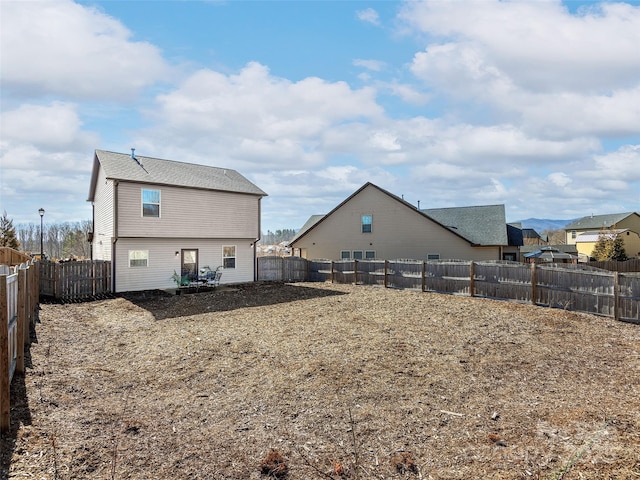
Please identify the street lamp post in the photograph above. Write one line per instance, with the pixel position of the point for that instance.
(41, 212)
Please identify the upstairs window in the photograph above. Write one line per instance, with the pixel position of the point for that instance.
(574, 234)
(345, 254)
(150, 203)
(229, 256)
(357, 254)
(367, 220)
(370, 255)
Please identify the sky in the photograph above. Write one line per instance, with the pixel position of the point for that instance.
(530, 104)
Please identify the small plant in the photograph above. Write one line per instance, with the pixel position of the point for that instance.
(181, 281)
(403, 462)
(274, 465)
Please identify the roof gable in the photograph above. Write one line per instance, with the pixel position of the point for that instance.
(125, 167)
(478, 232)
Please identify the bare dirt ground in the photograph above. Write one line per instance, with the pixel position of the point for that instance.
(311, 381)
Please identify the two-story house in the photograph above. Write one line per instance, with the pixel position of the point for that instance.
(373, 223)
(584, 233)
(154, 217)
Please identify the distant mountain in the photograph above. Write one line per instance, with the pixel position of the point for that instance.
(542, 224)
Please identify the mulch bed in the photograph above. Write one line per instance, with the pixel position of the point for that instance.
(308, 381)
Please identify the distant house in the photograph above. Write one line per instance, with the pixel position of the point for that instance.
(586, 242)
(628, 220)
(154, 217)
(531, 237)
(374, 223)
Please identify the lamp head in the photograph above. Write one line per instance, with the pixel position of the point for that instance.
(41, 212)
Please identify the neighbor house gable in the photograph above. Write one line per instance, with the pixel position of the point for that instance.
(316, 220)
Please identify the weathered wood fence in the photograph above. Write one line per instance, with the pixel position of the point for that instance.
(75, 281)
(572, 287)
(18, 305)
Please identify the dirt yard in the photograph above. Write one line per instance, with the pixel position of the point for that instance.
(312, 381)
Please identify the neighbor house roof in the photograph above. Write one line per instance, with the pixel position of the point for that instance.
(594, 236)
(126, 167)
(550, 253)
(474, 224)
(313, 219)
(572, 249)
(598, 221)
(481, 225)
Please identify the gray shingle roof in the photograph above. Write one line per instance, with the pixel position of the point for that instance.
(481, 225)
(313, 219)
(120, 166)
(594, 222)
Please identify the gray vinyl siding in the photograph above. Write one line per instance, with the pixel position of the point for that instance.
(163, 261)
(398, 231)
(103, 214)
(188, 212)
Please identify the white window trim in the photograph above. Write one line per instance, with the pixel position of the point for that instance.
(342, 252)
(145, 254)
(353, 255)
(369, 251)
(235, 257)
(142, 203)
(362, 224)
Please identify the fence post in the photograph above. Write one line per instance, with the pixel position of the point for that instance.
(5, 396)
(423, 279)
(23, 296)
(386, 272)
(616, 295)
(331, 275)
(534, 283)
(472, 279)
(355, 271)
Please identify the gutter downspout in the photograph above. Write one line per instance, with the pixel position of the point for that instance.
(93, 228)
(255, 244)
(114, 239)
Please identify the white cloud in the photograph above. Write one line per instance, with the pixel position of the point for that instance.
(369, 15)
(255, 119)
(373, 65)
(60, 47)
(540, 46)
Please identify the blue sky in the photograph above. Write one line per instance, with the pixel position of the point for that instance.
(531, 104)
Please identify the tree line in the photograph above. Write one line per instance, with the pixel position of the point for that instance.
(272, 238)
(59, 240)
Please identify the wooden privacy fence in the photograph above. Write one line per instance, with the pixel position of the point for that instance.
(75, 281)
(572, 287)
(282, 269)
(18, 304)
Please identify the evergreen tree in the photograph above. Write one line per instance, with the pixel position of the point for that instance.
(609, 247)
(8, 236)
(617, 251)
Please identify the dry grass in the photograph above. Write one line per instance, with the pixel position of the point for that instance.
(325, 381)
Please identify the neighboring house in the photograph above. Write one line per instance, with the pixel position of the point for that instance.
(586, 242)
(154, 217)
(373, 223)
(531, 237)
(628, 220)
